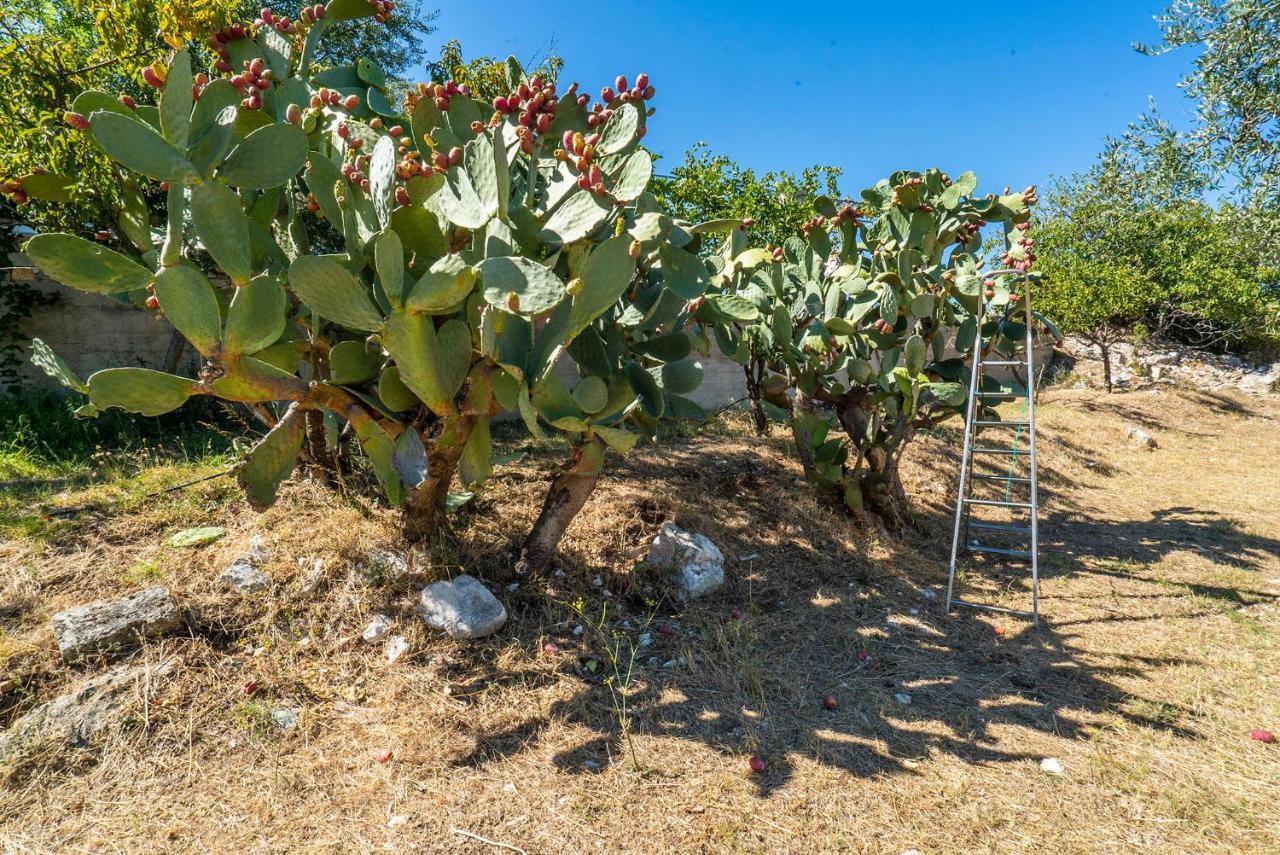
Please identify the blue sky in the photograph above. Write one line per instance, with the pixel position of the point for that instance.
(1015, 91)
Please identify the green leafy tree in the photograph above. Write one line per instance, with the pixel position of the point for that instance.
(708, 186)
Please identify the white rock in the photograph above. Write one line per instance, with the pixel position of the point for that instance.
(1139, 437)
(1053, 766)
(285, 719)
(382, 566)
(695, 563)
(378, 627)
(462, 607)
(244, 578)
(397, 821)
(903, 698)
(396, 646)
(312, 575)
(110, 626)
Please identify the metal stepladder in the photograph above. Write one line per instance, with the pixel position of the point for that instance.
(1023, 511)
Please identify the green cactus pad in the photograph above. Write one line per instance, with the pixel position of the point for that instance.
(43, 357)
(446, 284)
(556, 406)
(210, 148)
(433, 363)
(646, 388)
(268, 157)
(591, 394)
(392, 391)
(582, 214)
(476, 462)
(254, 380)
(388, 261)
(351, 363)
(139, 147)
(271, 461)
(621, 441)
(666, 348)
(678, 378)
(536, 288)
(86, 265)
(223, 228)
(620, 131)
(380, 448)
(331, 290)
(191, 305)
(256, 317)
(139, 390)
(176, 100)
(634, 176)
(382, 178)
(683, 273)
(605, 276)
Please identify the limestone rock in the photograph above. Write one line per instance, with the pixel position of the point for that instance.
(115, 625)
(462, 608)
(1139, 437)
(695, 563)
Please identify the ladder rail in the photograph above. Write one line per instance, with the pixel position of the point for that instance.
(963, 502)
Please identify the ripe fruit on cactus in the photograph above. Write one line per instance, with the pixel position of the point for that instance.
(75, 120)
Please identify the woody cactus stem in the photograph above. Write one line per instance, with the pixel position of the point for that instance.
(569, 492)
(425, 506)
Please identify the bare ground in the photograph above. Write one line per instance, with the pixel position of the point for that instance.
(1155, 658)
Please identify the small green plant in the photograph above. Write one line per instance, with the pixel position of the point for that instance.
(621, 650)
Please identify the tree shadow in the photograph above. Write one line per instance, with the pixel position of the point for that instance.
(826, 612)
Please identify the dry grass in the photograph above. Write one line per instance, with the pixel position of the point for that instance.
(1162, 572)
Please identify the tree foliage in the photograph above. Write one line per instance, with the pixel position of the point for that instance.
(708, 186)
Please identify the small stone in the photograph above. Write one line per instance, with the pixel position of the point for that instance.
(1053, 766)
(245, 575)
(285, 719)
(110, 626)
(903, 698)
(597, 582)
(559, 574)
(645, 640)
(578, 630)
(508, 787)
(397, 821)
(383, 566)
(696, 565)
(929, 593)
(312, 575)
(378, 627)
(195, 537)
(395, 647)
(513, 587)
(1139, 437)
(463, 608)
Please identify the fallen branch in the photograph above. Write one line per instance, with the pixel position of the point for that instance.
(486, 840)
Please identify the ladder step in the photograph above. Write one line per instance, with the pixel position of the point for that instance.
(974, 546)
(1002, 424)
(1017, 479)
(998, 504)
(983, 450)
(991, 526)
(987, 362)
(1001, 609)
(1010, 394)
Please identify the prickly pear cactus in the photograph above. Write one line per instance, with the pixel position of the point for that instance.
(404, 271)
(868, 317)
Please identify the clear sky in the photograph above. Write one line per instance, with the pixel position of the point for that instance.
(1016, 91)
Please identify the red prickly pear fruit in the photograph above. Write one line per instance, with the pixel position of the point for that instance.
(250, 686)
(566, 141)
(255, 102)
(256, 66)
(102, 235)
(641, 131)
(526, 145)
(266, 16)
(642, 81)
(625, 97)
(128, 101)
(351, 102)
(151, 78)
(221, 66)
(440, 160)
(606, 95)
(455, 156)
(1264, 736)
(524, 91)
(502, 105)
(355, 144)
(396, 131)
(525, 118)
(543, 122)
(583, 182)
(477, 127)
(536, 81)
(451, 88)
(442, 104)
(293, 114)
(75, 120)
(364, 184)
(595, 175)
(316, 102)
(20, 197)
(649, 92)
(637, 93)
(583, 99)
(318, 11)
(382, 755)
(344, 131)
(634, 249)
(829, 701)
(402, 196)
(376, 123)
(593, 120)
(621, 83)
(593, 140)
(756, 764)
(152, 303)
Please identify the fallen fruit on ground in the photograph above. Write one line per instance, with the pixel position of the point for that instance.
(757, 765)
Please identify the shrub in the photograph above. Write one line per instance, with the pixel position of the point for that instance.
(474, 246)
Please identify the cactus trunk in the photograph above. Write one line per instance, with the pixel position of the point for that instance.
(424, 512)
(569, 492)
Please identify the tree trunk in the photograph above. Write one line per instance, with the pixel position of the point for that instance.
(883, 497)
(802, 412)
(424, 513)
(318, 447)
(1105, 348)
(755, 392)
(569, 491)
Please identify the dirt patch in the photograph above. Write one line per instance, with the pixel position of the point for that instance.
(1162, 572)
